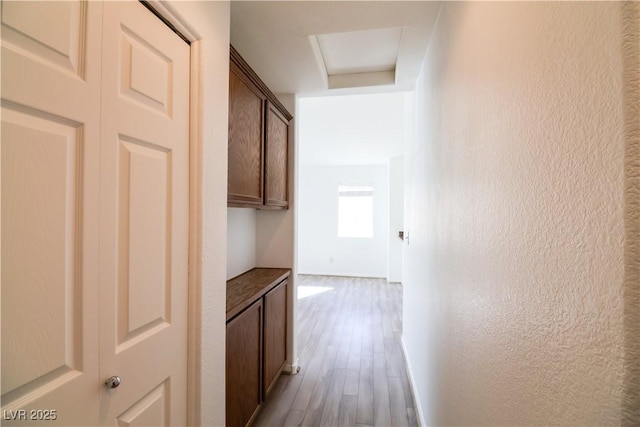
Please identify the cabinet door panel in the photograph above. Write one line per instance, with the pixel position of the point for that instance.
(246, 149)
(277, 156)
(275, 334)
(243, 382)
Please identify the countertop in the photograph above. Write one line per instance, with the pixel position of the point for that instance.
(245, 289)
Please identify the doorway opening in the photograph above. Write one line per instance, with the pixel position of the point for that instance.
(350, 203)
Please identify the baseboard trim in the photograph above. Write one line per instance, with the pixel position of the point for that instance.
(291, 369)
(412, 384)
(349, 276)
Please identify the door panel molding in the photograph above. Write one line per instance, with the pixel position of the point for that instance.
(58, 44)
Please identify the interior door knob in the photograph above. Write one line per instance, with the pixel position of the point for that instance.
(113, 382)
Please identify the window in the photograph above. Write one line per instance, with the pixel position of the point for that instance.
(355, 211)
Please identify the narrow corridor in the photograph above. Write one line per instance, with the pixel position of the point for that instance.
(352, 366)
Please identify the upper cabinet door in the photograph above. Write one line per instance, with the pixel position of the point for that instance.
(258, 141)
(246, 150)
(276, 184)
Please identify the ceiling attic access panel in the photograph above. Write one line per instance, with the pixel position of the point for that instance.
(358, 58)
(258, 141)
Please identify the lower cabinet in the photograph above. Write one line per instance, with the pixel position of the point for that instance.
(256, 354)
(244, 366)
(275, 335)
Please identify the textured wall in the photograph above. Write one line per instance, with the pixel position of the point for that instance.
(631, 108)
(517, 307)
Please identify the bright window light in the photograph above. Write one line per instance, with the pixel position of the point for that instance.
(355, 211)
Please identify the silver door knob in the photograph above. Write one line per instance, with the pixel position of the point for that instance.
(113, 382)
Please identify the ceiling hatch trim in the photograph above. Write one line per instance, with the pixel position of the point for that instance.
(358, 58)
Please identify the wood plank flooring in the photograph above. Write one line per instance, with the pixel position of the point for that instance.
(352, 367)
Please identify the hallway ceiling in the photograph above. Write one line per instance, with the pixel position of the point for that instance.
(351, 130)
(279, 40)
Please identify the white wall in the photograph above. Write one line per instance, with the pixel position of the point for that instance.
(320, 250)
(351, 129)
(396, 219)
(241, 241)
(513, 285)
(209, 22)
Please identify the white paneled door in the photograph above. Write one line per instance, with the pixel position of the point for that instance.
(144, 225)
(94, 216)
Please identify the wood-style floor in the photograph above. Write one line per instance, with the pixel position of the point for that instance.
(352, 367)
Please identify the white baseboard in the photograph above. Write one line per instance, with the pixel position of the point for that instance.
(412, 384)
(291, 369)
(357, 276)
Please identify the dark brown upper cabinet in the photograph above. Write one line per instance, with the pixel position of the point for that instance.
(246, 140)
(276, 167)
(258, 141)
